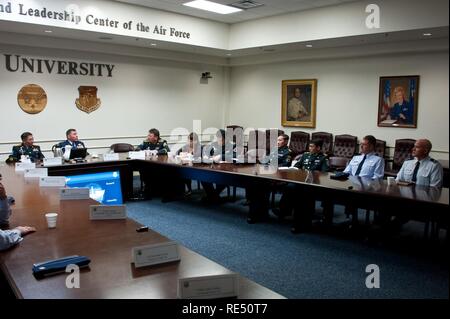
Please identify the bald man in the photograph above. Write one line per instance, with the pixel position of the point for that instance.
(422, 170)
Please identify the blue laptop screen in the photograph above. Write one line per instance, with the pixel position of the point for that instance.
(104, 187)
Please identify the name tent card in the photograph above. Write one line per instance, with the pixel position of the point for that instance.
(137, 155)
(106, 212)
(209, 287)
(54, 161)
(155, 254)
(52, 181)
(73, 193)
(111, 157)
(20, 167)
(36, 172)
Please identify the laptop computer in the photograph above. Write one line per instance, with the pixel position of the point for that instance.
(78, 153)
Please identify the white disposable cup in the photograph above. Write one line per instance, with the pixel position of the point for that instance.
(51, 219)
(391, 180)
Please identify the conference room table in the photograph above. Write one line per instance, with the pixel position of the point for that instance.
(108, 243)
(421, 203)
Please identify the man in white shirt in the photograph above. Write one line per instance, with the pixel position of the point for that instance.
(422, 170)
(368, 164)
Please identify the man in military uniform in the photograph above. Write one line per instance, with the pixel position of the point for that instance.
(72, 140)
(154, 143)
(314, 160)
(259, 197)
(26, 148)
(220, 150)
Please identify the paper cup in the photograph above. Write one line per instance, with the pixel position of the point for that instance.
(51, 219)
(391, 180)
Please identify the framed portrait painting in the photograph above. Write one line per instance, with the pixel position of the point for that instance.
(398, 101)
(298, 103)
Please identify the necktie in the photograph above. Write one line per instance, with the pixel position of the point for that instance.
(416, 169)
(360, 165)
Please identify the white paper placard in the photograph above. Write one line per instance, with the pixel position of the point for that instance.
(20, 167)
(155, 254)
(73, 193)
(52, 181)
(209, 287)
(111, 157)
(36, 172)
(137, 155)
(100, 212)
(53, 161)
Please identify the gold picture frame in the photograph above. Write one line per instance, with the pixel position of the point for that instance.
(298, 103)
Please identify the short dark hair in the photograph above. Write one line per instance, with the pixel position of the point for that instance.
(285, 137)
(70, 130)
(154, 131)
(192, 136)
(25, 135)
(371, 140)
(317, 143)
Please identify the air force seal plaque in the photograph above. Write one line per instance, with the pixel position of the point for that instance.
(32, 99)
(88, 101)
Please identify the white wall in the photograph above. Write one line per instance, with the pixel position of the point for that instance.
(142, 93)
(347, 96)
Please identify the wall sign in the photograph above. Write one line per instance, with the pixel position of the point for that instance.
(32, 99)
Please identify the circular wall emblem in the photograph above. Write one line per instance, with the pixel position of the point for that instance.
(32, 99)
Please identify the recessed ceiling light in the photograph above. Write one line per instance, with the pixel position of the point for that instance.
(309, 45)
(48, 31)
(427, 34)
(153, 44)
(228, 54)
(211, 6)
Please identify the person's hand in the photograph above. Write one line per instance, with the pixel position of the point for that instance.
(2, 191)
(24, 230)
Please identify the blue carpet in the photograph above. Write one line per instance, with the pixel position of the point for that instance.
(313, 265)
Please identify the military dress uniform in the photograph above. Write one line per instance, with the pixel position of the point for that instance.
(160, 146)
(303, 209)
(427, 172)
(281, 154)
(313, 162)
(74, 145)
(33, 152)
(366, 165)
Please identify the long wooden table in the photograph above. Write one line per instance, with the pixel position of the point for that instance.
(107, 243)
(417, 202)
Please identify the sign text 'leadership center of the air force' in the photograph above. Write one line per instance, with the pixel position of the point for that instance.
(71, 15)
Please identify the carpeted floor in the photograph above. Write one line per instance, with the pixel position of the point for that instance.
(314, 265)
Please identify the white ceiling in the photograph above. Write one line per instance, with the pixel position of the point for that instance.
(269, 8)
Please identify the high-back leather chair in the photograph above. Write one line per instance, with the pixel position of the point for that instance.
(327, 139)
(298, 143)
(380, 148)
(122, 147)
(402, 151)
(255, 143)
(344, 146)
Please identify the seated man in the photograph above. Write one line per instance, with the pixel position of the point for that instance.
(154, 143)
(71, 140)
(194, 148)
(26, 148)
(9, 238)
(368, 165)
(422, 170)
(314, 160)
(259, 197)
(218, 151)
